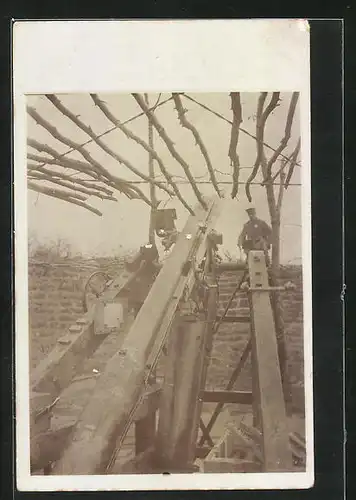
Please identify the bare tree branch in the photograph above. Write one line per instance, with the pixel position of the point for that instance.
(129, 120)
(287, 133)
(129, 134)
(280, 192)
(294, 157)
(234, 139)
(151, 172)
(69, 178)
(162, 133)
(198, 140)
(82, 166)
(88, 130)
(69, 142)
(56, 193)
(222, 117)
(69, 185)
(260, 126)
(292, 162)
(113, 180)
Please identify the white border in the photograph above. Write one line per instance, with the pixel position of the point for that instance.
(150, 56)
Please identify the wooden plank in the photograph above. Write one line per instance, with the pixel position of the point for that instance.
(239, 397)
(118, 388)
(57, 369)
(273, 420)
(225, 465)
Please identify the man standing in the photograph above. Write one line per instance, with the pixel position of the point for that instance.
(255, 235)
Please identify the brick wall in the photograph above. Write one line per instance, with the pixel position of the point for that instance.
(56, 300)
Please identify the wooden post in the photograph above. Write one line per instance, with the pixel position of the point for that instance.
(212, 298)
(177, 420)
(272, 410)
(145, 431)
(186, 370)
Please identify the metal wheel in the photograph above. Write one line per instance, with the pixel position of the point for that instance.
(94, 287)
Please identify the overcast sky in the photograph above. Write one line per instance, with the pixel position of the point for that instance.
(124, 224)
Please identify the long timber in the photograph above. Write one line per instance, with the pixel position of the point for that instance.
(271, 417)
(118, 389)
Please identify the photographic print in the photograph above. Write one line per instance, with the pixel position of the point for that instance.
(167, 287)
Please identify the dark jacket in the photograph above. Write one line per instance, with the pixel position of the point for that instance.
(253, 233)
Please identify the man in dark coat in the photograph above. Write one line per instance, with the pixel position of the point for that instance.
(255, 235)
(147, 266)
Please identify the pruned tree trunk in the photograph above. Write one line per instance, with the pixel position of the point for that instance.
(276, 230)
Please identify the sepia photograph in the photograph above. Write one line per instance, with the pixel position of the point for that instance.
(166, 284)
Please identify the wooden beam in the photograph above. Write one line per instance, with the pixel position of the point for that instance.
(184, 288)
(118, 389)
(239, 397)
(180, 393)
(272, 412)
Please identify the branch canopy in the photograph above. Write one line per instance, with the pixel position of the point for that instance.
(169, 143)
(198, 140)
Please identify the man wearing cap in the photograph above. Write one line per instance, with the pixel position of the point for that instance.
(255, 235)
